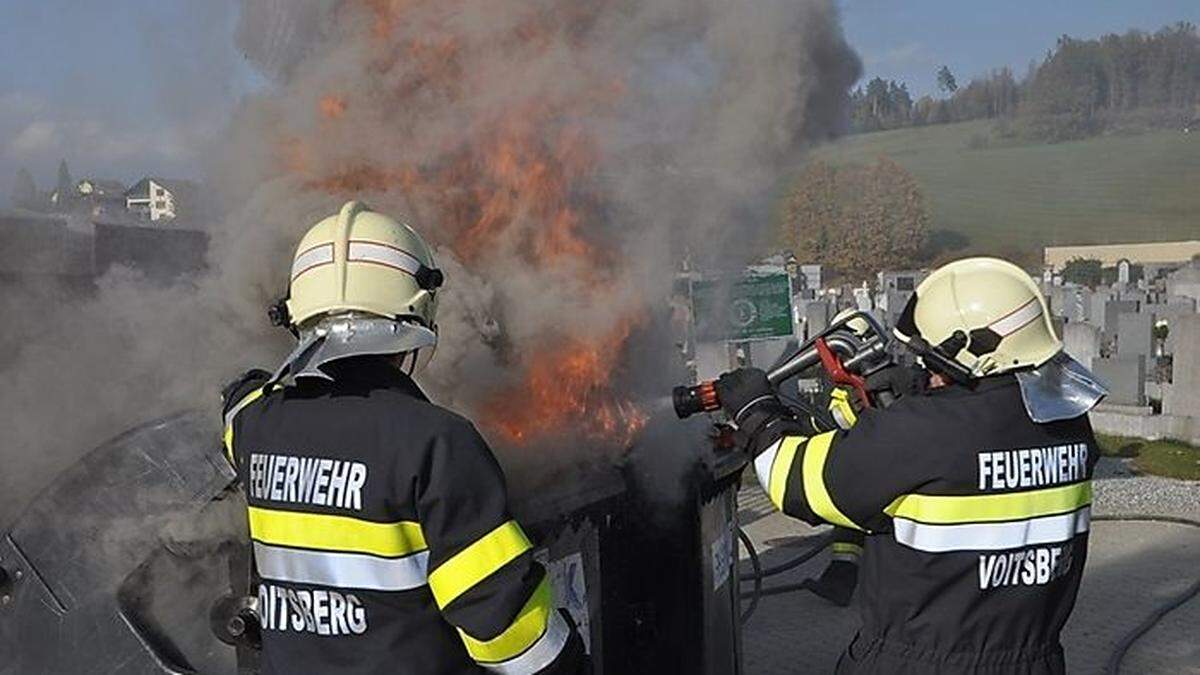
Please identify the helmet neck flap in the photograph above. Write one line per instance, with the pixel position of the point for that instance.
(342, 336)
(1059, 389)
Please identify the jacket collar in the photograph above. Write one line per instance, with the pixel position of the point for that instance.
(978, 386)
(373, 372)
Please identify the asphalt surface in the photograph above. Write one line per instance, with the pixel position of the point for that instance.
(1132, 568)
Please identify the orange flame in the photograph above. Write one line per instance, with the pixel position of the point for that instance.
(568, 388)
(517, 182)
(332, 106)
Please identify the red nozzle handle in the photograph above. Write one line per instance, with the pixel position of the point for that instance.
(839, 375)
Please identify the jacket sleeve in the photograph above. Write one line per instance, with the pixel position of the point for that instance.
(847, 545)
(235, 396)
(481, 568)
(845, 477)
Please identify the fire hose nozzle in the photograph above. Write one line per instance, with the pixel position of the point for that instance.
(694, 400)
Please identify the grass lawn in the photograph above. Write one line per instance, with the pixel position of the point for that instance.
(1111, 189)
(1161, 458)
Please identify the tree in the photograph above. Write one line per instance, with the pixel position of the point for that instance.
(900, 112)
(1084, 271)
(884, 104)
(24, 193)
(64, 190)
(856, 220)
(946, 81)
(65, 182)
(1080, 88)
(922, 113)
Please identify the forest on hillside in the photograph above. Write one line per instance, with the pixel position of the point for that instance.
(1081, 88)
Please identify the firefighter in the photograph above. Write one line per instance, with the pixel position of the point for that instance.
(379, 521)
(974, 496)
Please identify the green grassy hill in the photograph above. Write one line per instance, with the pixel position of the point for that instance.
(1105, 190)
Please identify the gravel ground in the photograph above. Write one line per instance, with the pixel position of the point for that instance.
(1120, 491)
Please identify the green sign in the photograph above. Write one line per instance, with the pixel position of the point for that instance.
(749, 308)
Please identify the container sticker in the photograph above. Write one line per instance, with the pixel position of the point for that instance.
(722, 558)
(570, 592)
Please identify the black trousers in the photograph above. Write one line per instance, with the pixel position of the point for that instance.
(872, 655)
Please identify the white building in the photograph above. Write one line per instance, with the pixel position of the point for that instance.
(159, 199)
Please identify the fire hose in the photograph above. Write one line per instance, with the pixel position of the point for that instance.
(847, 356)
(759, 573)
(843, 355)
(1126, 643)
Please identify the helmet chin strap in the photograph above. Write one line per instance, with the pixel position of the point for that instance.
(936, 360)
(409, 358)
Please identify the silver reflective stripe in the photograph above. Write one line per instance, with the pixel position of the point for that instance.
(369, 251)
(1018, 319)
(313, 257)
(763, 464)
(539, 655)
(991, 536)
(343, 570)
(845, 557)
(840, 418)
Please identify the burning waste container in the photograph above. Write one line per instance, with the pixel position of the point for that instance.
(135, 559)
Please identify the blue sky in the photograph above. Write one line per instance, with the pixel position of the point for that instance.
(134, 87)
(119, 89)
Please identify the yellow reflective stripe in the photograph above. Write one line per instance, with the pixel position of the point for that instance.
(335, 533)
(782, 466)
(477, 562)
(839, 404)
(520, 635)
(815, 490)
(237, 408)
(846, 547)
(945, 509)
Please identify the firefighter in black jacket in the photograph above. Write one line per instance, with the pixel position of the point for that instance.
(974, 497)
(380, 529)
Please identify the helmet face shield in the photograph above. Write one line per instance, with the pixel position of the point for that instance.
(1060, 389)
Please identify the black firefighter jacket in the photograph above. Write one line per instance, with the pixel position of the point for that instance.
(976, 519)
(381, 534)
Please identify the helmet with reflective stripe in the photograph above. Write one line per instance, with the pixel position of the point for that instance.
(363, 261)
(985, 314)
(856, 324)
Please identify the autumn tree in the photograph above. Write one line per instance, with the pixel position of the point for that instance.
(856, 220)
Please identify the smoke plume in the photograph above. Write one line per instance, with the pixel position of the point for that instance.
(562, 156)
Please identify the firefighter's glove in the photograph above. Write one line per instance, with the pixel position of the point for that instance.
(754, 408)
(897, 381)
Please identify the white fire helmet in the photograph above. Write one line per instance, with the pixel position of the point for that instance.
(361, 283)
(857, 324)
(989, 317)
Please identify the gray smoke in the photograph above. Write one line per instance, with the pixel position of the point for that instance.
(666, 121)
